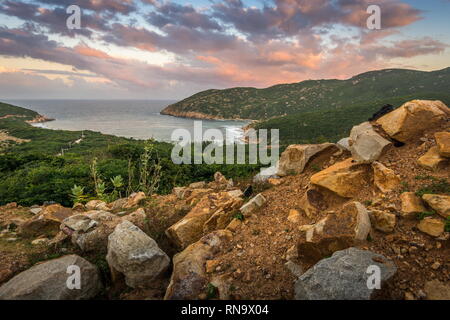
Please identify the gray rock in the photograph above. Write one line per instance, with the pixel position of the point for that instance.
(48, 281)
(343, 276)
(90, 231)
(295, 158)
(135, 255)
(253, 204)
(366, 145)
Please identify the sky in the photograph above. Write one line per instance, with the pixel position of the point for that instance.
(163, 49)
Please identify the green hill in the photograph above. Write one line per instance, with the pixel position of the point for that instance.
(332, 124)
(311, 95)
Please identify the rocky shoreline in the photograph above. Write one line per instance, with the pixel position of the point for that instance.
(197, 115)
(40, 119)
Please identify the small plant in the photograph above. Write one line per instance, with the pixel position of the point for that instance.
(211, 291)
(367, 203)
(100, 190)
(423, 215)
(118, 184)
(447, 225)
(437, 187)
(426, 178)
(239, 216)
(78, 195)
(150, 169)
(316, 168)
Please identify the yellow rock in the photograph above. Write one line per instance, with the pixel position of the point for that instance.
(234, 224)
(411, 204)
(432, 226)
(211, 265)
(294, 216)
(209, 214)
(383, 221)
(343, 178)
(443, 143)
(275, 182)
(439, 202)
(413, 118)
(432, 160)
(384, 178)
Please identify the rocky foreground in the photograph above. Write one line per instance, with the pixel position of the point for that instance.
(326, 216)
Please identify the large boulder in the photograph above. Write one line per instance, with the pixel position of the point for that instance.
(384, 178)
(294, 159)
(336, 231)
(47, 221)
(413, 118)
(366, 145)
(191, 228)
(48, 281)
(443, 143)
(432, 160)
(411, 205)
(90, 231)
(189, 278)
(439, 202)
(344, 276)
(135, 255)
(344, 178)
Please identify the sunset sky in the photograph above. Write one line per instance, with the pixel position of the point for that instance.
(152, 49)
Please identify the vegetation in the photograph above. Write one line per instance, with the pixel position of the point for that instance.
(423, 215)
(333, 124)
(314, 95)
(322, 110)
(101, 166)
(438, 186)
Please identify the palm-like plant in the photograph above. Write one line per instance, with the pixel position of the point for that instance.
(78, 195)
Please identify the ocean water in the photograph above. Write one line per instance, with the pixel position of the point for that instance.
(132, 119)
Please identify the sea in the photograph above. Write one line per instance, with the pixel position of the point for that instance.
(138, 119)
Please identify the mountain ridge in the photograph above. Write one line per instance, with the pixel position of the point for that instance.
(310, 95)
